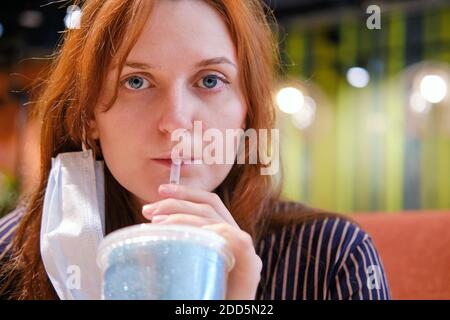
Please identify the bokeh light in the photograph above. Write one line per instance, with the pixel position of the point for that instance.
(73, 17)
(358, 77)
(433, 88)
(31, 19)
(306, 115)
(418, 104)
(290, 100)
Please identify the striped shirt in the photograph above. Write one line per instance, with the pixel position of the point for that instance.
(8, 225)
(322, 259)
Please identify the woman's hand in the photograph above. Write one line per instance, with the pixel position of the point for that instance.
(184, 205)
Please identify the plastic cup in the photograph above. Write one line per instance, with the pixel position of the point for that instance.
(164, 262)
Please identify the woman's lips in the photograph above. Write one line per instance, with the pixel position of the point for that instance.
(164, 162)
(168, 162)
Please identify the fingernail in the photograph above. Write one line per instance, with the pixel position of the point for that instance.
(160, 218)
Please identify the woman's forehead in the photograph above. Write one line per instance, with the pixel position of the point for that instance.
(183, 31)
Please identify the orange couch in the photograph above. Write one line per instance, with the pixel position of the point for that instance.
(415, 250)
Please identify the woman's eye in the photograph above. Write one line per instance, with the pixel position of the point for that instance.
(136, 83)
(211, 81)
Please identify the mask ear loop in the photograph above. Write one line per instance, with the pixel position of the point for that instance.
(83, 144)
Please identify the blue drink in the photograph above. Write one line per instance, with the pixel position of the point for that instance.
(164, 262)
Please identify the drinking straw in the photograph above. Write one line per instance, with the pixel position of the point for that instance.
(175, 171)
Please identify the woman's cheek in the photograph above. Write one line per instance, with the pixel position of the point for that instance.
(233, 109)
(127, 96)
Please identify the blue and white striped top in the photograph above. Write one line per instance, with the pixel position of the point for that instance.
(322, 259)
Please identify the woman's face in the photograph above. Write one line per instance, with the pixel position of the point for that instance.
(168, 82)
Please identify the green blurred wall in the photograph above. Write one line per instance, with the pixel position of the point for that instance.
(361, 154)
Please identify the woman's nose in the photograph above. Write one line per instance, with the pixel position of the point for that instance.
(177, 112)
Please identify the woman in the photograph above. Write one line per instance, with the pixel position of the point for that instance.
(135, 72)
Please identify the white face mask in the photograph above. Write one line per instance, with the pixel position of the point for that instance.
(73, 224)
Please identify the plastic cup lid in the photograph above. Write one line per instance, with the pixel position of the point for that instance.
(147, 232)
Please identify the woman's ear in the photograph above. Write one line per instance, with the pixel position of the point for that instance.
(93, 130)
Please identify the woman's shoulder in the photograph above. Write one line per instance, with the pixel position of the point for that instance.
(8, 226)
(320, 245)
(325, 236)
(297, 219)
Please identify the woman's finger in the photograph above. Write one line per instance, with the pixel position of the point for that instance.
(181, 218)
(170, 206)
(199, 196)
(237, 238)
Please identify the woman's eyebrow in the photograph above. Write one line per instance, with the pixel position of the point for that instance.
(217, 60)
(203, 63)
(138, 65)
